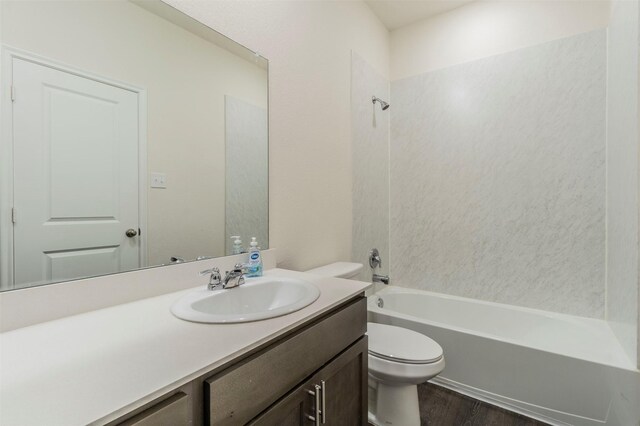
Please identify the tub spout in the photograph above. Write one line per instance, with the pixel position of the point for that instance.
(377, 278)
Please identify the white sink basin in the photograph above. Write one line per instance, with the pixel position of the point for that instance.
(257, 299)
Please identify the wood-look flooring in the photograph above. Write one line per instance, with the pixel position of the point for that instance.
(443, 407)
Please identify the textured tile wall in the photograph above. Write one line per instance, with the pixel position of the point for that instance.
(370, 159)
(622, 174)
(498, 178)
(246, 165)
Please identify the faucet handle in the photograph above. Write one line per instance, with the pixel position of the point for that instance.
(209, 271)
(214, 279)
(241, 267)
(375, 260)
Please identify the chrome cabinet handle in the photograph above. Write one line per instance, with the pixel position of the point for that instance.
(323, 411)
(131, 233)
(317, 413)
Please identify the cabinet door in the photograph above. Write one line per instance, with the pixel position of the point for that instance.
(342, 392)
(344, 387)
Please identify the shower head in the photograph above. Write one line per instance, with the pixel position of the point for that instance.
(383, 104)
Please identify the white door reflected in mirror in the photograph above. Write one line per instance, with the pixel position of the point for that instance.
(76, 171)
(149, 121)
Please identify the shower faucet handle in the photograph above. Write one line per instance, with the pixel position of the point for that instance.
(375, 261)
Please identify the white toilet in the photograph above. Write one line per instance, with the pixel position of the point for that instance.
(399, 360)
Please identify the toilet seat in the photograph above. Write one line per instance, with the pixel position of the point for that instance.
(400, 374)
(402, 345)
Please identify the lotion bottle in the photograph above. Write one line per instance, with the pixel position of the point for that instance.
(255, 260)
(237, 245)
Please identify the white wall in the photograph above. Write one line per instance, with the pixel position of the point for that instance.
(486, 28)
(622, 174)
(186, 78)
(308, 44)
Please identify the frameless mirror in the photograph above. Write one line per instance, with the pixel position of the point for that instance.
(132, 136)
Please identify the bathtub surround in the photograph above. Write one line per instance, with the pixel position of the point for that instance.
(622, 174)
(247, 189)
(370, 165)
(498, 177)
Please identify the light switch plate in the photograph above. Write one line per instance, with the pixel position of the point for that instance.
(158, 180)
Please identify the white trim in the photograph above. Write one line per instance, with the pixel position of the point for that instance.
(142, 179)
(8, 54)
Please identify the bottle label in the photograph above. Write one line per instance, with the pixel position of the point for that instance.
(255, 256)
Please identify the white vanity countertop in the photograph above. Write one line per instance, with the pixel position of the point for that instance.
(95, 367)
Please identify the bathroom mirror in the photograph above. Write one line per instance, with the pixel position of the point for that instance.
(131, 134)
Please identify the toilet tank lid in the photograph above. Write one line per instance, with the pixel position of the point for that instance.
(338, 269)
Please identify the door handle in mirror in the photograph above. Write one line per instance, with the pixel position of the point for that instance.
(131, 233)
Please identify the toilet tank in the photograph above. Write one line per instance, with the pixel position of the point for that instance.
(338, 270)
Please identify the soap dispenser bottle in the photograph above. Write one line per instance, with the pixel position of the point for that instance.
(254, 267)
(237, 245)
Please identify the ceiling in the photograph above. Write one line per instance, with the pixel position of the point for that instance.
(398, 13)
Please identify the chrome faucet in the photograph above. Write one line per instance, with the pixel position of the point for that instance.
(377, 278)
(215, 281)
(234, 278)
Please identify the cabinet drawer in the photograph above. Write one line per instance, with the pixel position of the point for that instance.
(237, 395)
(173, 411)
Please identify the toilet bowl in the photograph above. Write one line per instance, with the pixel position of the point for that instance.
(399, 359)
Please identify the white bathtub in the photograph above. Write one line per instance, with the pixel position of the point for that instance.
(557, 368)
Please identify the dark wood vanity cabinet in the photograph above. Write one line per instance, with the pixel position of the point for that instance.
(292, 366)
(335, 395)
(285, 382)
